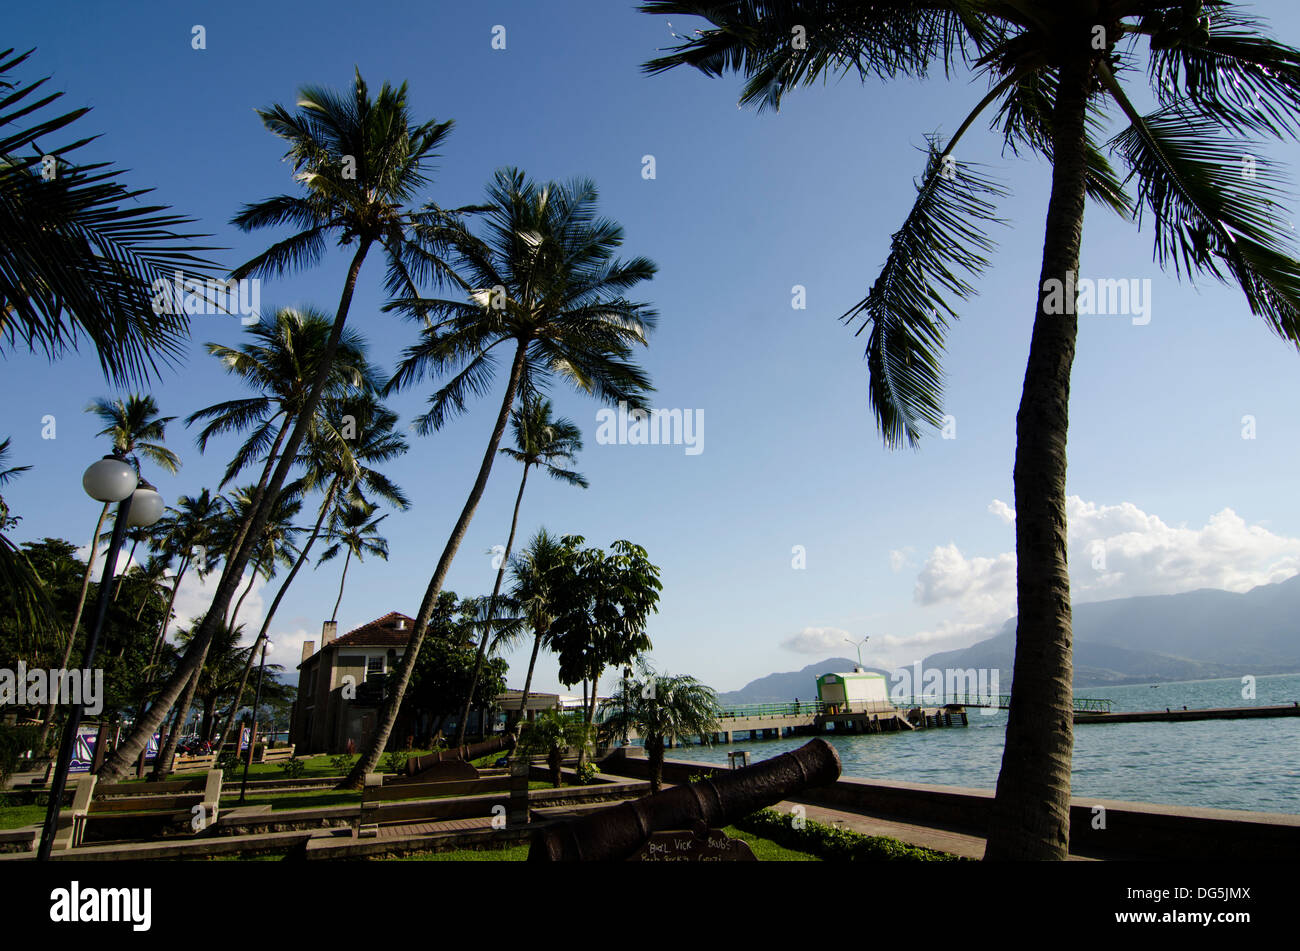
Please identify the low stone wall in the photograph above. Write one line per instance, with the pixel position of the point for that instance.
(1137, 830)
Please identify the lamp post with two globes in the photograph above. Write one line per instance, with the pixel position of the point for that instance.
(111, 479)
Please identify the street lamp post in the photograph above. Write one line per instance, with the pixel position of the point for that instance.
(252, 739)
(111, 479)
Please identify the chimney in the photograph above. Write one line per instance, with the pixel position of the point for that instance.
(308, 648)
(328, 631)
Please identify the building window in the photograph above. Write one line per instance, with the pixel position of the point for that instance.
(374, 667)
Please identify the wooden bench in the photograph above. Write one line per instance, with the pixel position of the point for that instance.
(426, 802)
(190, 764)
(276, 754)
(174, 803)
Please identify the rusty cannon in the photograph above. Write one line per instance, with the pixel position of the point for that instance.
(617, 833)
(452, 764)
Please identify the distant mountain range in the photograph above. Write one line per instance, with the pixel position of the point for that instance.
(1191, 636)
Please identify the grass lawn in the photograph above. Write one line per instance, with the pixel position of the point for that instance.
(15, 817)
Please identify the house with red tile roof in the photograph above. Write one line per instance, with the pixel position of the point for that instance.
(340, 686)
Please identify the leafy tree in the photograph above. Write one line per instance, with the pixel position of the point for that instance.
(1053, 72)
(28, 601)
(603, 603)
(543, 285)
(445, 667)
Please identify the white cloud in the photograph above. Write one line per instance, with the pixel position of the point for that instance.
(899, 558)
(1002, 511)
(1116, 551)
(818, 640)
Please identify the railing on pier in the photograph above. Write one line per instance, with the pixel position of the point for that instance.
(816, 707)
(1001, 701)
(791, 709)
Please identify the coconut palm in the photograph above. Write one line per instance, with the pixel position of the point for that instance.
(353, 529)
(549, 735)
(534, 574)
(340, 457)
(188, 533)
(275, 544)
(279, 363)
(661, 709)
(135, 429)
(550, 444)
(547, 289)
(1053, 72)
(360, 161)
(83, 256)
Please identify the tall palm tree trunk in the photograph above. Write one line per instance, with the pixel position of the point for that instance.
(270, 613)
(240, 603)
(122, 579)
(342, 581)
(167, 614)
(168, 749)
(492, 608)
(1031, 811)
(48, 715)
(120, 760)
(388, 714)
(528, 681)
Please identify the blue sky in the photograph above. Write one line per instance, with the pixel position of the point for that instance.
(914, 549)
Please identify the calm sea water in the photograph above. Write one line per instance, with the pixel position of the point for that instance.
(1226, 764)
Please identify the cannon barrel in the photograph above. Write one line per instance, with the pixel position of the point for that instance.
(417, 764)
(617, 832)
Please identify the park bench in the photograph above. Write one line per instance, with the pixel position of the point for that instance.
(154, 808)
(407, 802)
(191, 764)
(276, 754)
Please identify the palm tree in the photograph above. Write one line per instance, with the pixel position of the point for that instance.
(533, 597)
(541, 441)
(274, 545)
(351, 527)
(360, 161)
(135, 429)
(151, 577)
(1053, 70)
(544, 283)
(280, 363)
(188, 532)
(83, 257)
(550, 735)
(341, 456)
(661, 709)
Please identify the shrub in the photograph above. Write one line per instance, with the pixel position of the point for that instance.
(835, 845)
(586, 774)
(14, 742)
(293, 767)
(229, 763)
(395, 762)
(342, 763)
